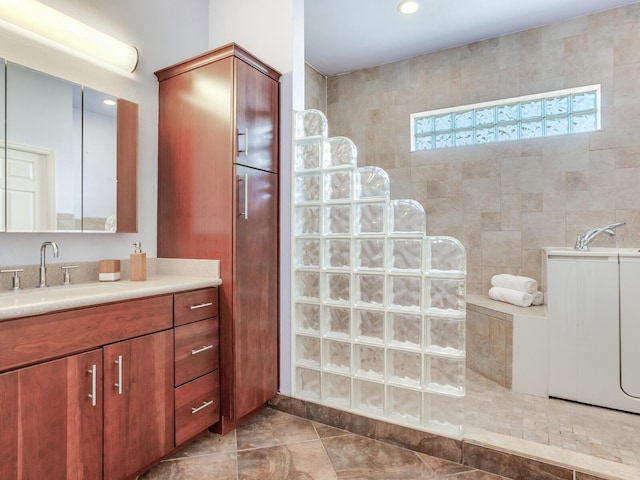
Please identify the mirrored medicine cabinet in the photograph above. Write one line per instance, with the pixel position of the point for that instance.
(68, 156)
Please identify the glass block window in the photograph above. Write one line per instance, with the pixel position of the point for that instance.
(562, 112)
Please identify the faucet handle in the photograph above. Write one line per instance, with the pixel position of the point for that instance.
(580, 245)
(67, 274)
(15, 285)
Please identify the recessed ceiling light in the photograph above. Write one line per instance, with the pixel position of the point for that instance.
(408, 7)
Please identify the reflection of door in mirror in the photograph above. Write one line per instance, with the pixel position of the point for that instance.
(30, 190)
(99, 141)
(44, 114)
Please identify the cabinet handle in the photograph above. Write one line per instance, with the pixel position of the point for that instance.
(202, 305)
(245, 213)
(94, 385)
(246, 196)
(200, 350)
(119, 384)
(246, 142)
(204, 405)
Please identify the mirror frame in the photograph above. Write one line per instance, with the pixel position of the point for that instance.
(127, 167)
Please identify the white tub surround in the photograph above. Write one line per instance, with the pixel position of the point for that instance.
(593, 334)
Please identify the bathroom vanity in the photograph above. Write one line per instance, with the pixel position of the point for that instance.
(593, 312)
(104, 380)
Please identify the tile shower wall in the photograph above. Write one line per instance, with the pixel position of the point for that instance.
(379, 306)
(315, 89)
(506, 201)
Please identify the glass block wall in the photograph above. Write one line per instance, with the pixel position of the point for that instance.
(379, 306)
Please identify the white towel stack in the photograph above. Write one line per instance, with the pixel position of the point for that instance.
(520, 291)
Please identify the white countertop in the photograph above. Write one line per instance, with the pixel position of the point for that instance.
(164, 276)
(36, 301)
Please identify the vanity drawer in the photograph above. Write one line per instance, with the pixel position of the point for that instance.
(197, 406)
(195, 305)
(196, 349)
(36, 339)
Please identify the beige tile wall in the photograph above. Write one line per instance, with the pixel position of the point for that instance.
(489, 344)
(315, 89)
(506, 201)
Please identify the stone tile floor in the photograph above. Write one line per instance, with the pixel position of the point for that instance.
(600, 432)
(279, 446)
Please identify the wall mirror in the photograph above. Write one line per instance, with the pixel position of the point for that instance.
(69, 158)
(2, 152)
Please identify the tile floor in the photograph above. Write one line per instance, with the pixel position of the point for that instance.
(600, 432)
(276, 445)
(279, 446)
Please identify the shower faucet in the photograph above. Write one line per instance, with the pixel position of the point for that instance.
(583, 240)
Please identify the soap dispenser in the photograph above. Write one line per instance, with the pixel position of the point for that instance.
(138, 263)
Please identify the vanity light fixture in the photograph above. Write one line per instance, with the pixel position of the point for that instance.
(42, 23)
(408, 7)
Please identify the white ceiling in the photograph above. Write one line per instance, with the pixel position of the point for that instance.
(346, 35)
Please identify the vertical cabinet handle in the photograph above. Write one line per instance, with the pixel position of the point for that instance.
(204, 405)
(246, 196)
(94, 386)
(119, 384)
(246, 142)
(245, 213)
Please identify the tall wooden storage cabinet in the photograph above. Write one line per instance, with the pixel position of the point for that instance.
(218, 196)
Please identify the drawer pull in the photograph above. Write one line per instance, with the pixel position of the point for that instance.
(202, 305)
(202, 349)
(204, 405)
(94, 386)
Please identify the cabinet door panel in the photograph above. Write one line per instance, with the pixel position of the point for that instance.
(57, 426)
(256, 118)
(138, 417)
(194, 162)
(9, 425)
(255, 297)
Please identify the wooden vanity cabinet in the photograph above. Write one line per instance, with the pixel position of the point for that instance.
(218, 198)
(84, 415)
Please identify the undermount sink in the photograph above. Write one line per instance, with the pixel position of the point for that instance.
(60, 292)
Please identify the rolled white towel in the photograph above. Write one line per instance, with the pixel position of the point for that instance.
(521, 299)
(538, 298)
(515, 282)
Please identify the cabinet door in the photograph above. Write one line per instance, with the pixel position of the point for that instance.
(255, 324)
(50, 426)
(138, 403)
(194, 162)
(256, 118)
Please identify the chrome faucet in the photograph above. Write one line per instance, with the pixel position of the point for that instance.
(43, 266)
(583, 240)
